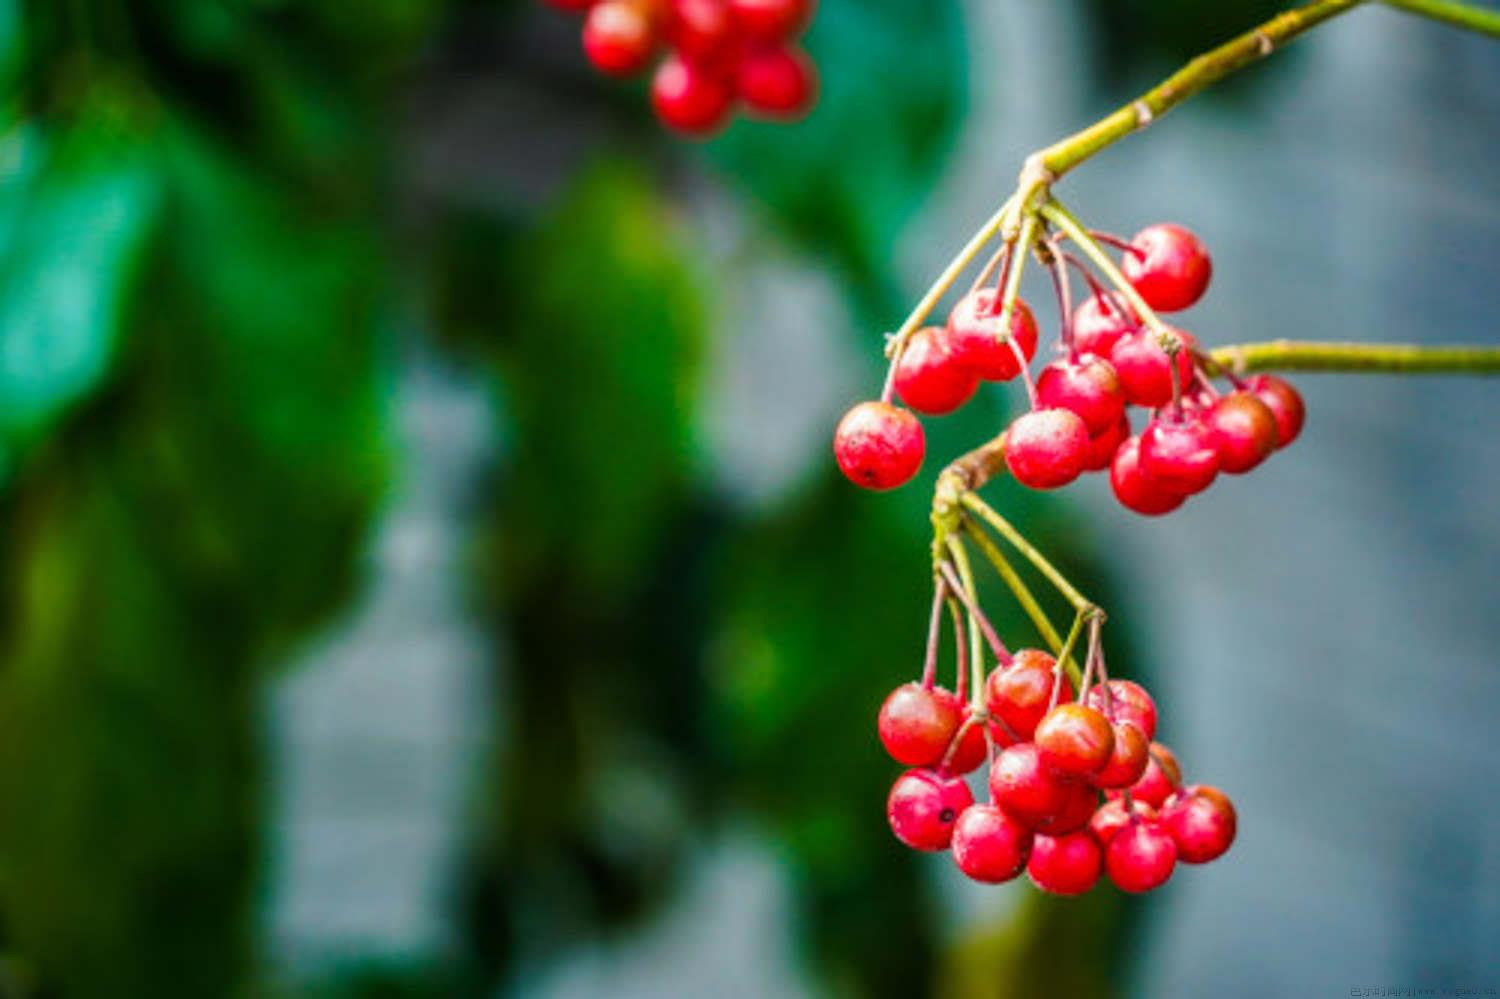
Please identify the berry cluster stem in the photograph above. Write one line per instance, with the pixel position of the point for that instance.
(1460, 15)
(1307, 355)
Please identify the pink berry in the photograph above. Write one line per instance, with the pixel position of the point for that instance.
(879, 446)
(1136, 488)
(777, 82)
(1245, 429)
(618, 38)
(1180, 452)
(916, 723)
(1145, 369)
(699, 29)
(923, 807)
(1074, 740)
(989, 845)
(1025, 787)
(1089, 387)
(1201, 821)
(1100, 321)
(1140, 857)
(1046, 448)
(770, 20)
(974, 326)
(1127, 702)
(1285, 403)
(1018, 695)
(689, 98)
(1065, 865)
(1102, 447)
(1168, 265)
(929, 376)
(1111, 817)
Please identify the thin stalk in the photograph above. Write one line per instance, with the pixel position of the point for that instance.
(1460, 15)
(1007, 531)
(1059, 216)
(976, 650)
(1291, 355)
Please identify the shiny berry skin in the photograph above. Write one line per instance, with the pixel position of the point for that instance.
(777, 82)
(1089, 387)
(1074, 740)
(1160, 781)
(699, 29)
(976, 336)
(1127, 702)
(989, 845)
(1026, 788)
(1019, 694)
(879, 446)
(1076, 811)
(688, 98)
(618, 38)
(1244, 429)
(1145, 370)
(1168, 265)
(770, 20)
(923, 807)
(929, 376)
(972, 749)
(917, 723)
(1111, 818)
(1285, 403)
(1065, 865)
(1099, 322)
(1046, 448)
(1201, 821)
(1127, 759)
(1102, 447)
(1181, 453)
(1136, 488)
(1140, 857)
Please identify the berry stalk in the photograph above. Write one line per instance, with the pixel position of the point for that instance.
(1460, 15)
(1310, 355)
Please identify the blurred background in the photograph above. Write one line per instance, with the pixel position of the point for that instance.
(424, 573)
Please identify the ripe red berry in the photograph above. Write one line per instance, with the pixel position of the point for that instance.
(917, 723)
(1111, 817)
(1046, 448)
(699, 29)
(1102, 447)
(1160, 781)
(879, 446)
(689, 98)
(1100, 321)
(989, 845)
(1201, 821)
(770, 20)
(618, 37)
(1136, 488)
(1285, 403)
(1018, 695)
(1025, 787)
(1065, 865)
(1074, 740)
(1076, 811)
(1168, 265)
(974, 326)
(1127, 758)
(972, 749)
(1181, 452)
(1140, 857)
(778, 82)
(1089, 387)
(1145, 369)
(1127, 701)
(923, 807)
(1244, 429)
(929, 376)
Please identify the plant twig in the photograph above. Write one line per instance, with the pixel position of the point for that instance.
(1460, 15)
(1402, 358)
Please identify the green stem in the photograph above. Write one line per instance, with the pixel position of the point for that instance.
(1023, 595)
(1006, 530)
(1291, 355)
(1054, 212)
(976, 647)
(1486, 22)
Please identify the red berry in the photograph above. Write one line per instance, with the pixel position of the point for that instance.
(1136, 488)
(1046, 448)
(879, 446)
(989, 845)
(1145, 370)
(1022, 785)
(689, 98)
(1201, 821)
(1018, 695)
(1140, 857)
(770, 20)
(1112, 817)
(1181, 453)
(917, 723)
(699, 29)
(1245, 430)
(1285, 404)
(977, 335)
(923, 807)
(1065, 865)
(1168, 265)
(1089, 387)
(1075, 740)
(1160, 781)
(1077, 808)
(1100, 321)
(1127, 702)
(778, 82)
(1102, 447)
(929, 376)
(618, 38)
(972, 749)
(1127, 759)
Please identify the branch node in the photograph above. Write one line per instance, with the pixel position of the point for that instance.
(1143, 113)
(1265, 43)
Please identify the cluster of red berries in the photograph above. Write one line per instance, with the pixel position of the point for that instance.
(1045, 814)
(722, 53)
(1078, 421)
